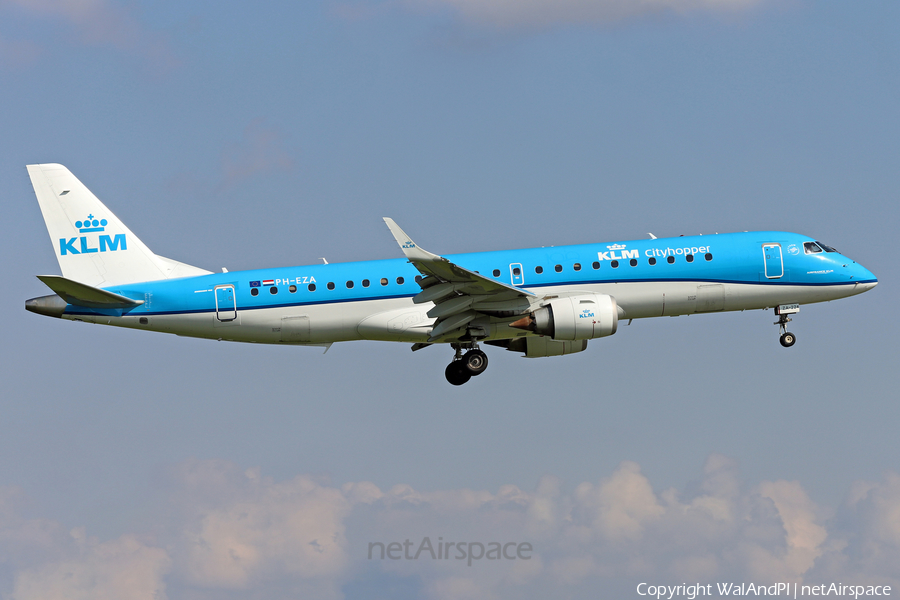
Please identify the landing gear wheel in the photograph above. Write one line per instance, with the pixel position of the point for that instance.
(788, 339)
(476, 361)
(457, 373)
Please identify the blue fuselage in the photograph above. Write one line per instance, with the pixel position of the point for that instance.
(656, 277)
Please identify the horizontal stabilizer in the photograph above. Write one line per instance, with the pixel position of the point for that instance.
(81, 294)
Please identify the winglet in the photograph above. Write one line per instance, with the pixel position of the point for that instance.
(410, 249)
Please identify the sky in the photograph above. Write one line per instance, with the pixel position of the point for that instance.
(693, 449)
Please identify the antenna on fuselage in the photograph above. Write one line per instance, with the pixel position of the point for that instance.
(652, 237)
(323, 260)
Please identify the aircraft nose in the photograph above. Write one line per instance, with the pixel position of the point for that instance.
(865, 279)
(867, 275)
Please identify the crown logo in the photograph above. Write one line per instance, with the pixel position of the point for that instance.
(616, 247)
(91, 224)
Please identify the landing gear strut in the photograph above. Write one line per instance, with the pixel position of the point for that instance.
(465, 366)
(787, 338)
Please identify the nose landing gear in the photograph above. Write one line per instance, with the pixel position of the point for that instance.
(787, 338)
(465, 366)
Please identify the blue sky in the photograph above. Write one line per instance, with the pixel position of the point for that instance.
(243, 137)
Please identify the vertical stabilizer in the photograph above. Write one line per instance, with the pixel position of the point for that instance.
(91, 244)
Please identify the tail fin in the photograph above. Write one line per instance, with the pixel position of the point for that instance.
(91, 244)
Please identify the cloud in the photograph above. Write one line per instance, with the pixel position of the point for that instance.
(121, 569)
(292, 529)
(26, 541)
(542, 13)
(621, 505)
(93, 22)
(804, 536)
(18, 53)
(228, 532)
(260, 150)
(866, 534)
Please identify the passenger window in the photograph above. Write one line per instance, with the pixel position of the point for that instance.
(399, 281)
(811, 248)
(418, 278)
(365, 282)
(330, 285)
(652, 261)
(577, 266)
(689, 257)
(349, 285)
(614, 264)
(558, 268)
(633, 262)
(254, 291)
(384, 281)
(539, 270)
(273, 290)
(496, 272)
(595, 265)
(670, 260)
(517, 271)
(708, 256)
(293, 289)
(311, 287)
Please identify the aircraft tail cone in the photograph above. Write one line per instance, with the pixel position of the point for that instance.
(526, 323)
(49, 306)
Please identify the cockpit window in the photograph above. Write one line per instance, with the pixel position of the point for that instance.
(811, 248)
(826, 248)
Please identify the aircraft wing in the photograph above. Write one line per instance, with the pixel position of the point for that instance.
(457, 292)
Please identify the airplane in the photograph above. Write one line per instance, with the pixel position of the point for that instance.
(537, 301)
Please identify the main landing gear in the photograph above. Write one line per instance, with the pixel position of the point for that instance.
(465, 366)
(787, 338)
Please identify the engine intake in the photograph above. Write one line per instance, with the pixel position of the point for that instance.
(583, 317)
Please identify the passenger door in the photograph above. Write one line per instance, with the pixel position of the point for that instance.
(226, 308)
(774, 263)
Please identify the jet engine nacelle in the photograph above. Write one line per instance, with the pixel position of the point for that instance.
(583, 317)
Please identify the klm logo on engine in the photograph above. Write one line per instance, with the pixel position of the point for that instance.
(620, 248)
(88, 245)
